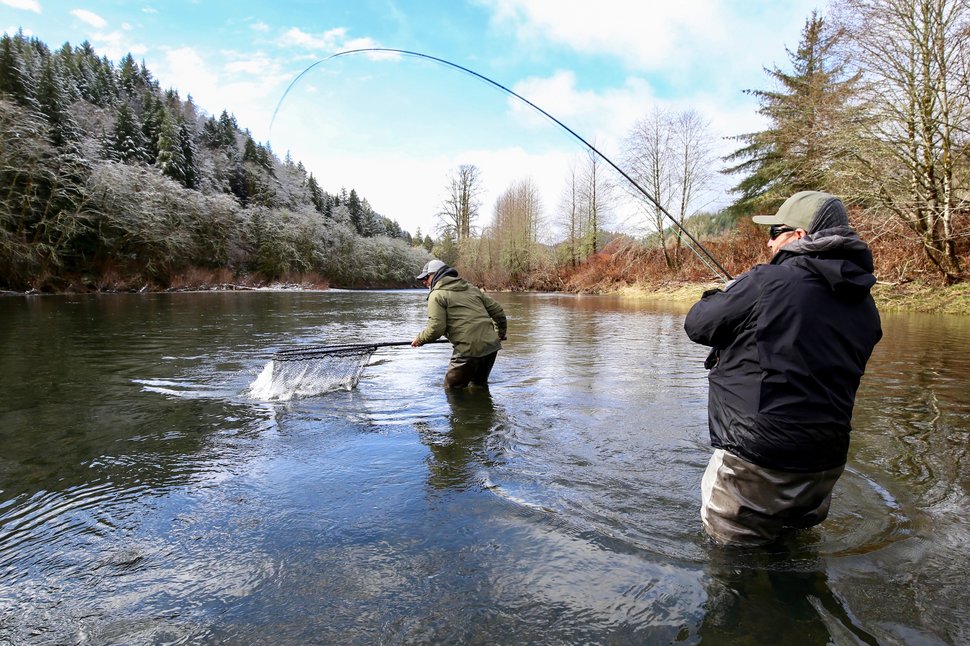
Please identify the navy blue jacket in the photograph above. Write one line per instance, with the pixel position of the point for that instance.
(792, 339)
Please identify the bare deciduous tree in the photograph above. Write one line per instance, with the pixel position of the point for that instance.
(518, 213)
(585, 205)
(460, 207)
(569, 211)
(907, 157)
(595, 200)
(671, 157)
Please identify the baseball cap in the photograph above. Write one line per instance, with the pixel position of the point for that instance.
(808, 210)
(429, 268)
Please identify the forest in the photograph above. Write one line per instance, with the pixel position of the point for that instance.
(111, 183)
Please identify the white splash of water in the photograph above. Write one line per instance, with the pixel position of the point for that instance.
(283, 380)
(262, 388)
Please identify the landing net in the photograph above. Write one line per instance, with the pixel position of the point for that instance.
(311, 371)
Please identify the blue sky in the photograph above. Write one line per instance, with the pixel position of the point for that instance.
(393, 127)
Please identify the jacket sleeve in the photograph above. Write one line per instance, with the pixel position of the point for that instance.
(719, 316)
(437, 318)
(497, 313)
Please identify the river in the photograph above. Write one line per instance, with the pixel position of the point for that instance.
(147, 497)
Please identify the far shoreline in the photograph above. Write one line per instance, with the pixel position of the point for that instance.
(912, 297)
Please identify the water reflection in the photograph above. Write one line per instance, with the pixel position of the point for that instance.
(756, 594)
(459, 454)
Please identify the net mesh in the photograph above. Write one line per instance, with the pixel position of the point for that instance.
(311, 371)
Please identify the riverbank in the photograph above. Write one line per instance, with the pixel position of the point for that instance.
(905, 297)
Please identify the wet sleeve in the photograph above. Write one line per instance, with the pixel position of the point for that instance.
(437, 319)
(718, 317)
(497, 313)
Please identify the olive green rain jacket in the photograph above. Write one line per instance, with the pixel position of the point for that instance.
(469, 318)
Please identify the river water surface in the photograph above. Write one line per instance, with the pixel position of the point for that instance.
(146, 497)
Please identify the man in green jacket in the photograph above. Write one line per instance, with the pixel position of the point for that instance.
(473, 322)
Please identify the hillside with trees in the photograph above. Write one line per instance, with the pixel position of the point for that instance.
(110, 182)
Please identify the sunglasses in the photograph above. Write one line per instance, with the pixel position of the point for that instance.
(777, 229)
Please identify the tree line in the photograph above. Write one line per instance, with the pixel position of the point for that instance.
(874, 107)
(108, 181)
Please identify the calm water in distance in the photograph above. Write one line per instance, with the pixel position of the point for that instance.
(147, 498)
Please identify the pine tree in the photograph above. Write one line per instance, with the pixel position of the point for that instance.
(356, 212)
(187, 145)
(70, 71)
(15, 82)
(316, 194)
(104, 92)
(797, 149)
(129, 77)
(85, 64)
(170, 159)
(226, 131)
(127, 141)
(153, 114)
(53, 104)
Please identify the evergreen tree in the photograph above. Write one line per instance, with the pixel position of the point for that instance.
(153, 114)
(15, 82)
(85, 65)
(53, 101)
(316, 194)
(129, 77)
(356, 212)
(170, 159)
(798, 148)
(70, 71)
(187, 144)
(105, 90)
(226, 131)
(127, 141)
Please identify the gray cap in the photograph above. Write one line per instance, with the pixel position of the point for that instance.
(430, 268)
(808, 210)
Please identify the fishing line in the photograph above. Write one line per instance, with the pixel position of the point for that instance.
(710, 259)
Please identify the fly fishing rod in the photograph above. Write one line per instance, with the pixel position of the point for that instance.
(706, 258)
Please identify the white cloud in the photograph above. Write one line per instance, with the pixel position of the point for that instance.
(115, 45)
(26, 5)
(643, 34)
(185, 69)
(330, 41)
(598, 117)
(260, 26)
(10, 31)
(149, 10)
(689, 43)
(257, 64)
(89, 18)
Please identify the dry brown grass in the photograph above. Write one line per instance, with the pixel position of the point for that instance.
(907, 279)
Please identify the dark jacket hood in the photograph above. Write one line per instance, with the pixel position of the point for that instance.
(838, 255)
(443, 272)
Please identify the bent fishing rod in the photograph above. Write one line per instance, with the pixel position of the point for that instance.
(387, 50)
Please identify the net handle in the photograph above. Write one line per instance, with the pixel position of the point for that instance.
(345, 348)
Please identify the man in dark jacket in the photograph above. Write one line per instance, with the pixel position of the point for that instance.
(472, 320)
(790, 341)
